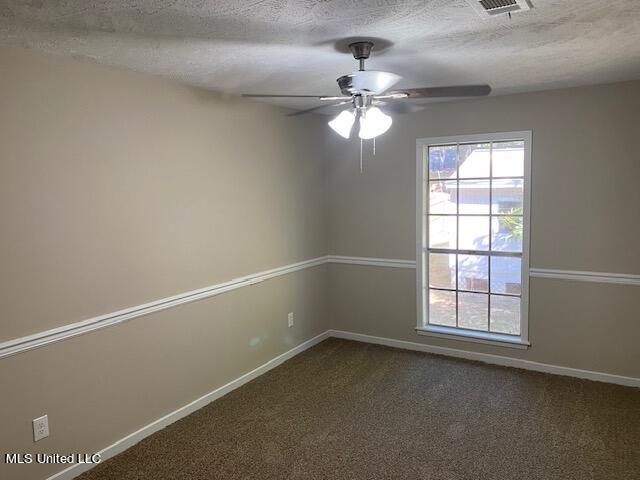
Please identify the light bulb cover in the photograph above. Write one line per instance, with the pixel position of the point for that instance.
(343, 123)
(373, 123)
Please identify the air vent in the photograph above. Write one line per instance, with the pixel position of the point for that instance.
(491, 8)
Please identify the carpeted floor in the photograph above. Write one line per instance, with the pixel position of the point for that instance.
(348, 410)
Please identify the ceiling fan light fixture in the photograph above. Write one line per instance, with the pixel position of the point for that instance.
(373, 123)
(343, 123)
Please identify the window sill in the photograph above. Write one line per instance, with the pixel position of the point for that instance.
(473, 336)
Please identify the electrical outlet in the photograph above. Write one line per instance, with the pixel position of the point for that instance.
(290, 319)
(40, 428)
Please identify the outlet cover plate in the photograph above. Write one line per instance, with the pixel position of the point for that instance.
(40, 428)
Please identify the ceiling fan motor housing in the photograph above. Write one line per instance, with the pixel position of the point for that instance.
(344, 82)
(370, 82)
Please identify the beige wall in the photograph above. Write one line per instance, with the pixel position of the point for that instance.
(118, 189)
(584, 216)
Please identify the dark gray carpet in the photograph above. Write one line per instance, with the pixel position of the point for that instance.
(348, 410)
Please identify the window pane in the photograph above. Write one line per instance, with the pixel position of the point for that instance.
(442, 196)
(442, 162)
(442, 308)
(473, 273)
(506, 233)
(474, 233)
(442, 270)
(474, 160)
(473, 311)
(508, 159)
(474, 201)
(505, 315)
(442, 232)
(474, 196)
(506, 275)
(506, 196)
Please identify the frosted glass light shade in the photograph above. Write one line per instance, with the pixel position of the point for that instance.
(374, 123)
(343, 123)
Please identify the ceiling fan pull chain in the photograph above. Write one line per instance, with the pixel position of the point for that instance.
(361, 142)
(374, 146)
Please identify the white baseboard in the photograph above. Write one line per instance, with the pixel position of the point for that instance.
(135, 437)
(492, 359)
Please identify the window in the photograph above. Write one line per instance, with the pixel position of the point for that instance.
(473, 231)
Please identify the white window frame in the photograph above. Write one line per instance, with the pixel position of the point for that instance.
(422, 233)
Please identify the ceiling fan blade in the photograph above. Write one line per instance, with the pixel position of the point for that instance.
(309, 110)
(400, 107)
(439, 92)
(269, 95)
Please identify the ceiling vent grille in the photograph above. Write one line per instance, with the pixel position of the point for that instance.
(491, 8)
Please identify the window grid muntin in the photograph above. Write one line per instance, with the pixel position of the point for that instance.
(490, 234)
(490, 252)
(497, 294)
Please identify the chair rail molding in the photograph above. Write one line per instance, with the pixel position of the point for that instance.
(583, 276)
(574, 275)
(29, 342)
(22, 344)
(370, 261)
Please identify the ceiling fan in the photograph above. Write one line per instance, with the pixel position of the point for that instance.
(366, 90)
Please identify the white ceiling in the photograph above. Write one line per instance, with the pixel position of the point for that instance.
(280, 46)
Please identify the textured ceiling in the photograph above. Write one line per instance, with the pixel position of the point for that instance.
(276, 46)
